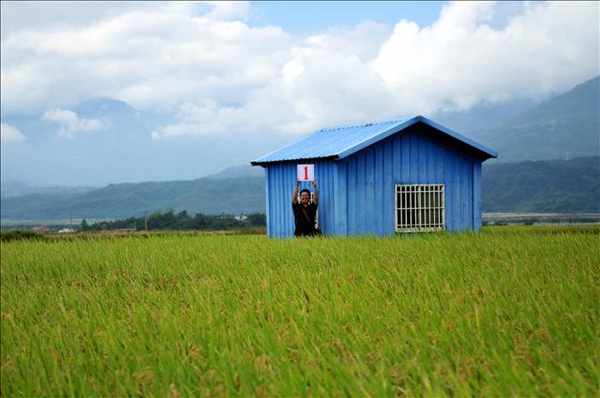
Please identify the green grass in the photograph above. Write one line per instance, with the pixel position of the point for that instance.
(507, 312)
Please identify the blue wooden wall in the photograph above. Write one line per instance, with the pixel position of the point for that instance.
(356, 194)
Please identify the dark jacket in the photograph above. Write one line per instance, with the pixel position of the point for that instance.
(305, 223)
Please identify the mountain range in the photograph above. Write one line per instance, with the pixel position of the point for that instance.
(543, 186)
(548, 162)
(564, 127)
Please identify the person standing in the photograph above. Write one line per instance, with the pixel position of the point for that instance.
(305, 211)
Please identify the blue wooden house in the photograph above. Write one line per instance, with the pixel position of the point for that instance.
(406, 175)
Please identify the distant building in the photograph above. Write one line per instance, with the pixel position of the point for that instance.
(406, 175)
(41, 228)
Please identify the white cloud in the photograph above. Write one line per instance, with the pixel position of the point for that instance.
(222, 76)
(40, 15)
(323, 81)
(10, 133)
(69, 123)
(151, 58)
(461, 60)
(229, 10)
(199, 119)
(370, 73)
(233, 89)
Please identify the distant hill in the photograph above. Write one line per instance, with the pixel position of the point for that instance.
(239, 172)
(208, 196)
(481, 117)
(556, 186)
(11, 188)
(564, 127)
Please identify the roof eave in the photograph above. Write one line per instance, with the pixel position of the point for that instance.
(296, 160)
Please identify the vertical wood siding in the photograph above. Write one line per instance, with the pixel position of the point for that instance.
(356, 194)
(280, 182)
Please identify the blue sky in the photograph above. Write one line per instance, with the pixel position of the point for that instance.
(301, 18)
(216, 84)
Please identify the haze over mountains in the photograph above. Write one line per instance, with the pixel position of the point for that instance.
(565, 128)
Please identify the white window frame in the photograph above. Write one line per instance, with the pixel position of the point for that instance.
(420, 207)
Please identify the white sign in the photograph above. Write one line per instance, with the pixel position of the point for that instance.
(306, 172)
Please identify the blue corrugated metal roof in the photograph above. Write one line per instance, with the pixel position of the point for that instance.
(340, 142)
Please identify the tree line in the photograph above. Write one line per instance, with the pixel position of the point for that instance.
(168, 220)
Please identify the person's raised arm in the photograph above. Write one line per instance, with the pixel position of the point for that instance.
(315, 193)
(295, 197)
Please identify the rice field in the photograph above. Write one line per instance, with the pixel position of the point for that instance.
(511, 311)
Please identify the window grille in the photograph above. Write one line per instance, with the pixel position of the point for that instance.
(420, 207)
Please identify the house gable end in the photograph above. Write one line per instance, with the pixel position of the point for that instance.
(341, 142)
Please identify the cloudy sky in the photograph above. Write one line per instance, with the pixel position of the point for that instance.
(227, 82)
